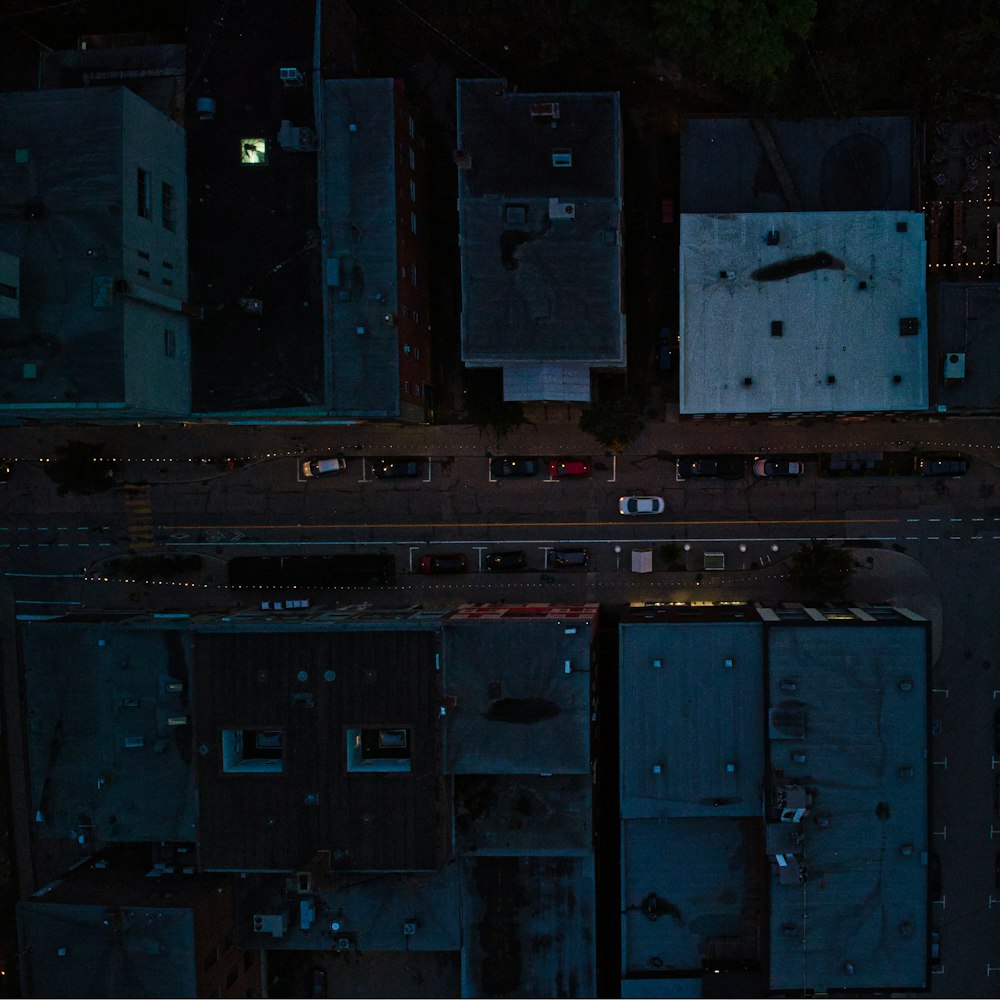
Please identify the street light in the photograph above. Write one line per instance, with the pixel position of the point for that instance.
(618, 558)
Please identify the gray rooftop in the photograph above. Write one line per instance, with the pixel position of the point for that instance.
(528, 927)
(855, 276)
(517, 710)
(540, 244)
(73, 144)
(834, 165)
(691, 706)
(864, 902)
(89, 688)
(695, 869)
(357, 205)
(151, 955)
(968, 324)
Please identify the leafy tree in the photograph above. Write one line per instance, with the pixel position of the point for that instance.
(614, 422)
(80, 468)
(494, 416)
(821, 571)
(735, 42)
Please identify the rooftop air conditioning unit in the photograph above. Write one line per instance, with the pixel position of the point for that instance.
(274, 924)
(296, 139)
(291, 76)
(561, 209)
(954, 366)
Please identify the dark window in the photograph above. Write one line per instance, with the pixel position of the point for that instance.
(211, 958)
(247, 959)
(169, 343)
(168, 207)
(143, 273)
(8, 291)
(143, 254)
(168, 283)
(144, 190)
(227, 941)
(234, 974)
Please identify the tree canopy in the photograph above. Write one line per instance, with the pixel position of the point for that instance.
(821, 571)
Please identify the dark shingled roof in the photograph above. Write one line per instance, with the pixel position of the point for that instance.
(380, 820)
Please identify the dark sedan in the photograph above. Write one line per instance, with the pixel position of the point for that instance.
(506, 562)
(397, 468)
(569, 558)
(514, 466)
(710, 467)
(445, 562)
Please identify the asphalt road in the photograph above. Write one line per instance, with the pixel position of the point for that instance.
(939, 542)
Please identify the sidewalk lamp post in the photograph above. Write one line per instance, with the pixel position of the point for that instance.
(618, 558)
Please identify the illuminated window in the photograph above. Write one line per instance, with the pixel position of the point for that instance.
(413, 222)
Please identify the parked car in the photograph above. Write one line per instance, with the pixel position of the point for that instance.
(768, 468)
(565, 558)
(641, 505)
(444, 562)
(514, 466)
(397, 468)
(560, 468)
(710, 467)
(506, 562)
(313, 467)
(942, 465)
(5, 472)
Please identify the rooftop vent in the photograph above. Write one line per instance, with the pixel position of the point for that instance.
(862, 285)
(787, 684)
(777, 328)
(773, 237)
(896, 379)
(515, 215)
(901, 227)
(831, 379)
(291, 76)
(954, 366)
(748, 381)
(727, 275)
(909, 326)
(562, 157)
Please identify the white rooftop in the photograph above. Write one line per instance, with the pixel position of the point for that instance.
(854, 277)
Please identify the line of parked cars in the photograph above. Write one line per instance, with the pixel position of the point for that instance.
(510, 561)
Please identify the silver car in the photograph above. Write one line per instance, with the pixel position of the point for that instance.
(313, 467)
(641, 505)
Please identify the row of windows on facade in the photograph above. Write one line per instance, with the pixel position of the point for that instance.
(144, 204)
(407, 155)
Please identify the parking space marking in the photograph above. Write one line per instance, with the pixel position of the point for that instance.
(943, 691)
(614, 469)
(430, 469)
(489, 471)
(364, 475)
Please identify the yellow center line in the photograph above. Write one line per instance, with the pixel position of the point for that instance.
(621, 522)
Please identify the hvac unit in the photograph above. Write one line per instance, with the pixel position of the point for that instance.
(296, 139)
(954, 366)
(561, 209)
(274, 924)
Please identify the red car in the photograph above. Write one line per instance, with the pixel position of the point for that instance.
(450, 562)
(568, 467)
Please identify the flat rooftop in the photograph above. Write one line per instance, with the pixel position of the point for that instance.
(692, 714)
(320, 687)
(858, 717)
(513, 706)
(357, 179)
(968, 327)
(528, 927)
(105, 760)
(62, 218)
(540, 226)
(830, 316)
(672, 907)
(833, 165)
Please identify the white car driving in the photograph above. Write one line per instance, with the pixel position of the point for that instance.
(641, 505)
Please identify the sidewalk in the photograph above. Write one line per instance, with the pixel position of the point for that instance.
(562, 436)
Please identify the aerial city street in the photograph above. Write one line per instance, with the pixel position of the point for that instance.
(499, 500)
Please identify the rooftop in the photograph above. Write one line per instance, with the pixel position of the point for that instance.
(858, 717)
(812, 165)
(108, 731)
(518, 695)
(691, 719)
(964, 343)
(351, 716)
(357, 178)
(539, 228)
(528, 927)
(803, 312)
